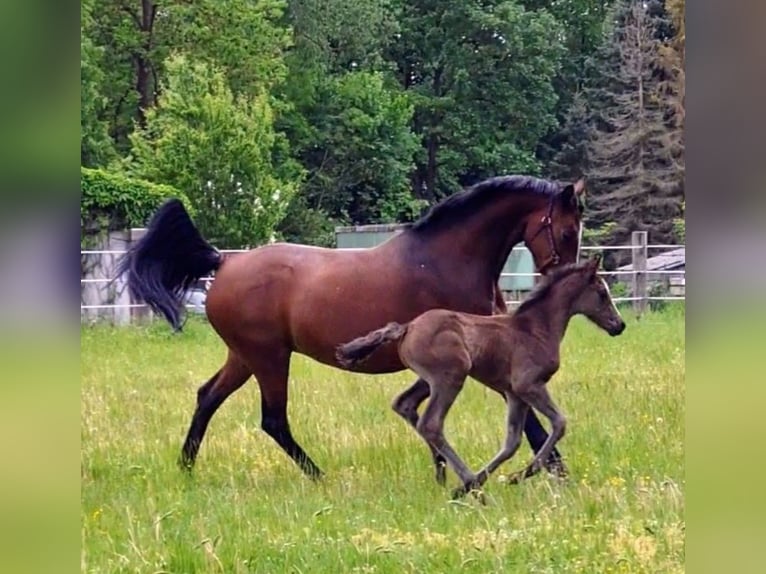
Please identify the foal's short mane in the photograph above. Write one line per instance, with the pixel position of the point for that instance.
(544, 288)
(458, 206)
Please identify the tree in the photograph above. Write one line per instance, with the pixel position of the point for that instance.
(347, 121)
(245, 38)
(480, 76)
(217, 148)
(582, 23)
(364, 149)
(96, 148)
(633, 151)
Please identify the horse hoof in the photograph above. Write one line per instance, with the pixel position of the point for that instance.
(317, 476)
(515, 478)
(475, 490)
(557, 468)
(459, 493)
(441, 474)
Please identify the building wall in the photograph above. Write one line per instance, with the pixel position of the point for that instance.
(519, 261)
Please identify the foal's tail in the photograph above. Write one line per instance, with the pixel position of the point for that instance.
(167, 260)
(356, 351)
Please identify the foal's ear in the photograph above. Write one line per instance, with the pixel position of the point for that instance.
(594, 264)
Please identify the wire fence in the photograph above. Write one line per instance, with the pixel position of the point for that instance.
(642, 282)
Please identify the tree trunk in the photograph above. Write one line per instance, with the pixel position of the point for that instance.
(144, 84)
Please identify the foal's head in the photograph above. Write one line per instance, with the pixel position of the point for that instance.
(595, 301)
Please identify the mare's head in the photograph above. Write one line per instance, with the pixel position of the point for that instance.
(595, 301)
(552, 234)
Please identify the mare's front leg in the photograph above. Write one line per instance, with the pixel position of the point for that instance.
(406, 405)
(536, 395)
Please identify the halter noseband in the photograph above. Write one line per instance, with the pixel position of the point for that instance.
(547, 224)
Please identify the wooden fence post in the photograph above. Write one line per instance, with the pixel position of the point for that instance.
(138, 315)
(639, 253)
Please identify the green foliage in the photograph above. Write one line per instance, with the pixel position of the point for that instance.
(244, 38)
(306, 224)
(619, 289)
(218, 149)
(96, 147)
(358, 152)
(111, 201)
(480, 75)
(679, 225)
(597, 236)
(385, 105)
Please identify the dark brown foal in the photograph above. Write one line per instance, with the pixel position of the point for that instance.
(514, 355)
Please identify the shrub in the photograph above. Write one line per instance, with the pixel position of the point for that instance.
(111, 201)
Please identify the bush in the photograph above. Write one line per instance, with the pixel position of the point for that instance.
(111, 201)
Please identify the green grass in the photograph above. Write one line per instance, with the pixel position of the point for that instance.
(247, 508)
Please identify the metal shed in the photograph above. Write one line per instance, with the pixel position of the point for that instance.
(667, 269)
(520, 260)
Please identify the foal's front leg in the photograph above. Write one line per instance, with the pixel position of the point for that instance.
(517, 411)
(536, 395)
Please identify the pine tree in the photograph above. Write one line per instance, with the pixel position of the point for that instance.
(635, 140)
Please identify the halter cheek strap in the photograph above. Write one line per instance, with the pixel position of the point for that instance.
(547, 225)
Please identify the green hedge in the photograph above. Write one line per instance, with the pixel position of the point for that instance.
(111, 201)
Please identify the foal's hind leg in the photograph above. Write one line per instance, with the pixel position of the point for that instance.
(210, 396)
(431, 425)
(271, 371)
(406, 405)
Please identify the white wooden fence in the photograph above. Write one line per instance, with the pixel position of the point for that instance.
(104, 297)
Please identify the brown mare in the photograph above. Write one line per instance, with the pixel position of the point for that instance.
(279, 299)
(514, 355)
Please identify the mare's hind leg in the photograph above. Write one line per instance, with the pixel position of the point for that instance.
(406, 405)
(210, 396)
(536, 435)
(536, 395)
(271, 371)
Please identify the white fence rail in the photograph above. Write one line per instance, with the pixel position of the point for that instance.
(104, 296)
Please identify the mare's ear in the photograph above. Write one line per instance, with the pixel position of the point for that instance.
(573, 194)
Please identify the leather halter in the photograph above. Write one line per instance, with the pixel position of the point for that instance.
(547, 225)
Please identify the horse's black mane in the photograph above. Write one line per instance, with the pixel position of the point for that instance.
(457, 206)
(544, 288)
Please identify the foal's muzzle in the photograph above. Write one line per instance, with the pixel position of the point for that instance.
(617, 329)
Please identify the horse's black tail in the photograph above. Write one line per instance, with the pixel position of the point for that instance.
(167, 260)
(356, 351)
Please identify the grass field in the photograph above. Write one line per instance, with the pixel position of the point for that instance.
(247, 508)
